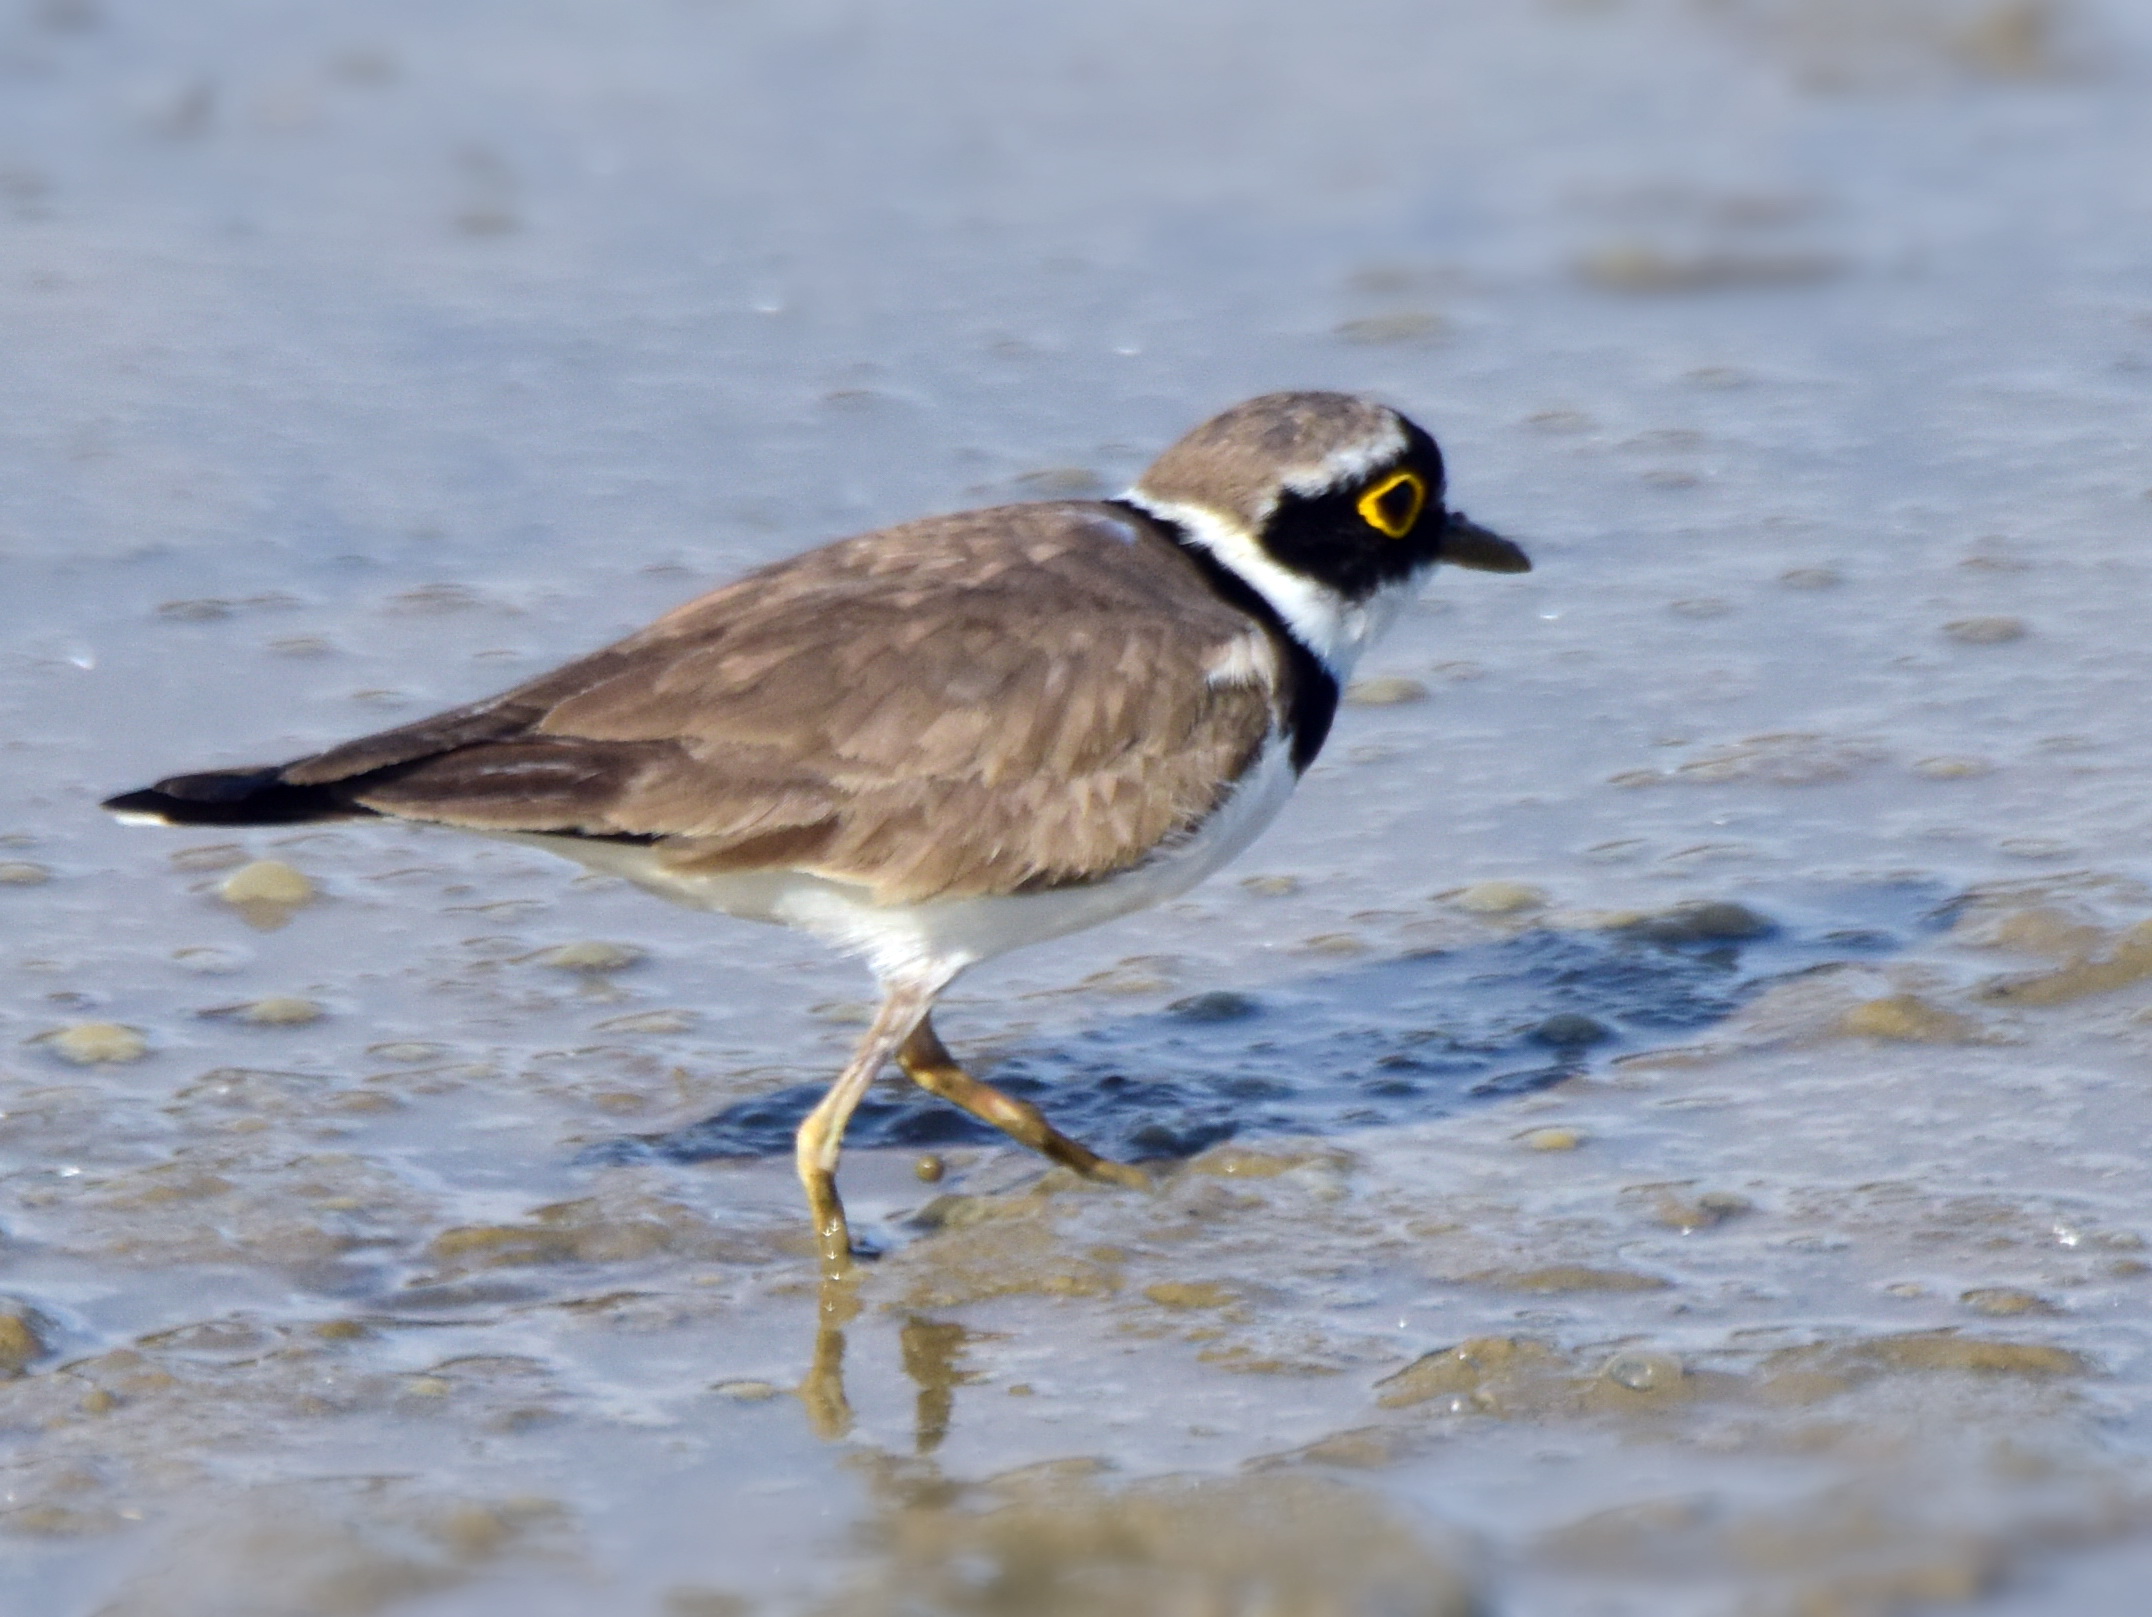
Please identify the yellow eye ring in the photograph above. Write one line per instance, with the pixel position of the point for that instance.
(1393, 505)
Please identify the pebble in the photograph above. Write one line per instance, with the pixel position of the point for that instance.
(2005, 1301)
(1384, 690)
(1985, 631)
(1572, 1030)
(930, 1170)
(1499, 897)
(407, 1053)
(1907, 1019)
(1271, 886)
(267, 881)
(1552, 1139)
(1219, 1005)
(1707, 922)
(1952, 768)
(93, 1043)
(1189, 1294)
(591, 956)
(20, 1343)
(280, 1010)
(746, 1392)
(22, 873)
(1811, 578)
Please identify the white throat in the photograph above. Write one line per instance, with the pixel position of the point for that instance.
(1335, 629)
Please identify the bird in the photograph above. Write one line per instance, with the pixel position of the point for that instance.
(934, 743)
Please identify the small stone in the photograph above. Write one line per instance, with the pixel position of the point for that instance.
(1271, 886)
(1811, 578)
(1572, 1030)
(406, 1054)
(341, 1330)
(591, 956)
(93, 1043)
(1712, 1208)
(2004, 1301)
(280, 1010)
(1705, 922)
(1189, 1294)
(22, 873)
(745, 1392)
(21, 1344)
(267, 881)
(1952, 768)
(428, 1387)
(1384, 690)
(1551, 1139)
(1219, 1005)
(1985, 631)
(1499, 897)
(930, 1169)
(1907, 1019)
(99, 1402)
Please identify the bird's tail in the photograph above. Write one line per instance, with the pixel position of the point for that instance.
(234, 797)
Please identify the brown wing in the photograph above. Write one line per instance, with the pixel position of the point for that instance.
(973, 704)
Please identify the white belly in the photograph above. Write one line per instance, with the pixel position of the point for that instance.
(940, 938)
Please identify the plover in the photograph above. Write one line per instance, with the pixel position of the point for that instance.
(938, 742)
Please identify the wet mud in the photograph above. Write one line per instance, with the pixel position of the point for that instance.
(1657, 1127)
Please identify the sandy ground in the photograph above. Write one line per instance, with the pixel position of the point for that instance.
(1658, 1127)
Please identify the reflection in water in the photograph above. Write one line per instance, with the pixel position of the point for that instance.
(933, 1353)
(829, 1411)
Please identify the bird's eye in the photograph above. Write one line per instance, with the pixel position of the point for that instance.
(1393, 505)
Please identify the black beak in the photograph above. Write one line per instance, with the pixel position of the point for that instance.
(1466, 544)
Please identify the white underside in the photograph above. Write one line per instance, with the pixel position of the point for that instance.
(932, 942)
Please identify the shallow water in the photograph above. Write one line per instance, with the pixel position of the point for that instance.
(1520, 1239)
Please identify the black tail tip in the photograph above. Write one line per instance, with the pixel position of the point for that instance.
(229, 797)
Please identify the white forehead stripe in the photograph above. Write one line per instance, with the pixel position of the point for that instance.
(1349, 464)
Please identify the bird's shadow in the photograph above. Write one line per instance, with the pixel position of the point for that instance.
(1394, 1040)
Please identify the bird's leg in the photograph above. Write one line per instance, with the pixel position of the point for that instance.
(928, 1063)
(821, 1135)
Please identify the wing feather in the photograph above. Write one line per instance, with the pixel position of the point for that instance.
(984, 703)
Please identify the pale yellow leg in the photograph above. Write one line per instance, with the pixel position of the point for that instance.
(821, 1136)
(928, 1063)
